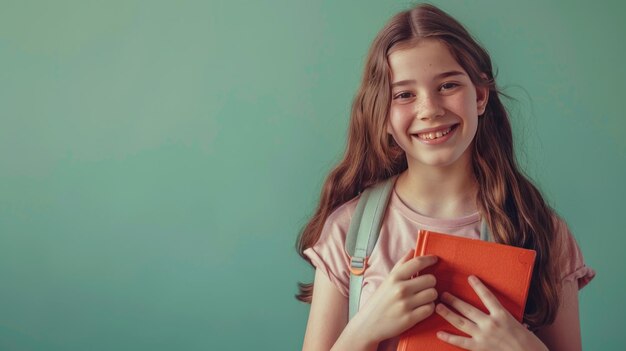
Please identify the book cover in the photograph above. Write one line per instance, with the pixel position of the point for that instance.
(506, 270)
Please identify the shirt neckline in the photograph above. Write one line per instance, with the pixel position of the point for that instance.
(397, 202)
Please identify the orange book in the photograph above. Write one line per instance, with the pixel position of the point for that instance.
(505, 270)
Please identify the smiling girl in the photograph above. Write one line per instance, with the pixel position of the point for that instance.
(428, 114)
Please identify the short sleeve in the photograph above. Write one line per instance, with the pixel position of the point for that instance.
(328, 254)
(572, 263)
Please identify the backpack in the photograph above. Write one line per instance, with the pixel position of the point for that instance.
(363, 233)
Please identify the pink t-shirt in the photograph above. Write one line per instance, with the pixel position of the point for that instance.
(398, 235)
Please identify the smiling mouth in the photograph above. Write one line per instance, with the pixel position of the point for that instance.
(436, 134)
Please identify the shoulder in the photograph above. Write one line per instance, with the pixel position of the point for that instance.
(570, 260)
(328, 254)
(339, 219)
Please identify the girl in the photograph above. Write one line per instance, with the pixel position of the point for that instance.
(428, 111)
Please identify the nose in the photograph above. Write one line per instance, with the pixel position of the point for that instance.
(428, 107)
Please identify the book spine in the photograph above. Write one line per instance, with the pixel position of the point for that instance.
(421, 242)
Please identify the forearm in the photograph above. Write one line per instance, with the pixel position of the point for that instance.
(352, 338)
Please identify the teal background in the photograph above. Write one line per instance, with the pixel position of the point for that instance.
(158, 159)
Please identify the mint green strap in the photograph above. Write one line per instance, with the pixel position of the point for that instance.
(484, 231)
(367, 224)
(356, 283)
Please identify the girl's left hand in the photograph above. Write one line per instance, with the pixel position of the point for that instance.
(498, 330)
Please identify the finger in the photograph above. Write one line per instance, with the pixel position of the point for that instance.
(407, 256)
(456, 340)
(486, 296)
(422, 298)
(462, 324)
(420, 283)
(468, 311)
(421, 313)
(413, 266)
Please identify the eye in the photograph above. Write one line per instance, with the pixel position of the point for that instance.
(405, 94)
(449, 86)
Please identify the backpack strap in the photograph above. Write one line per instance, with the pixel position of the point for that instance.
(363, 234)
(485, 235)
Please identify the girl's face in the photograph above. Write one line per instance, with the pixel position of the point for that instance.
(434, 108)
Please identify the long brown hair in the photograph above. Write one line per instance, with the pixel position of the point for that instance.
(513, 207)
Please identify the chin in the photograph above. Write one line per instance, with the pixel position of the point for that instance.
(440, 162)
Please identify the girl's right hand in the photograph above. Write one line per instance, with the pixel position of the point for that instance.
(400, 301)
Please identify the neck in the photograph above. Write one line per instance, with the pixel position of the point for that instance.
(438, 192)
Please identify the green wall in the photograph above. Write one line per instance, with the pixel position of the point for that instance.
(158, 159)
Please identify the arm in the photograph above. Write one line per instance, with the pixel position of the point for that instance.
(564, 333)
(328, 318)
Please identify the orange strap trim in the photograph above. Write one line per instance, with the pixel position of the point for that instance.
(358, 265)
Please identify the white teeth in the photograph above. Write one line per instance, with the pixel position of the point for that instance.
(433, 135)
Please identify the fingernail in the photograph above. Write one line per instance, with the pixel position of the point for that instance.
(472, 279)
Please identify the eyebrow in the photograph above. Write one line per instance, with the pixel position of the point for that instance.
(439, 76)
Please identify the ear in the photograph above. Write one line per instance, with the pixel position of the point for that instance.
(482, 96)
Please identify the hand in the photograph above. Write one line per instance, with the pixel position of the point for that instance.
(400, 301)
(498, 330)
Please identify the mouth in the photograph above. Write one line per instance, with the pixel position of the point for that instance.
(436, 134)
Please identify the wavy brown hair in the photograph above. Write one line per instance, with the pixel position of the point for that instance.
(515, 211)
